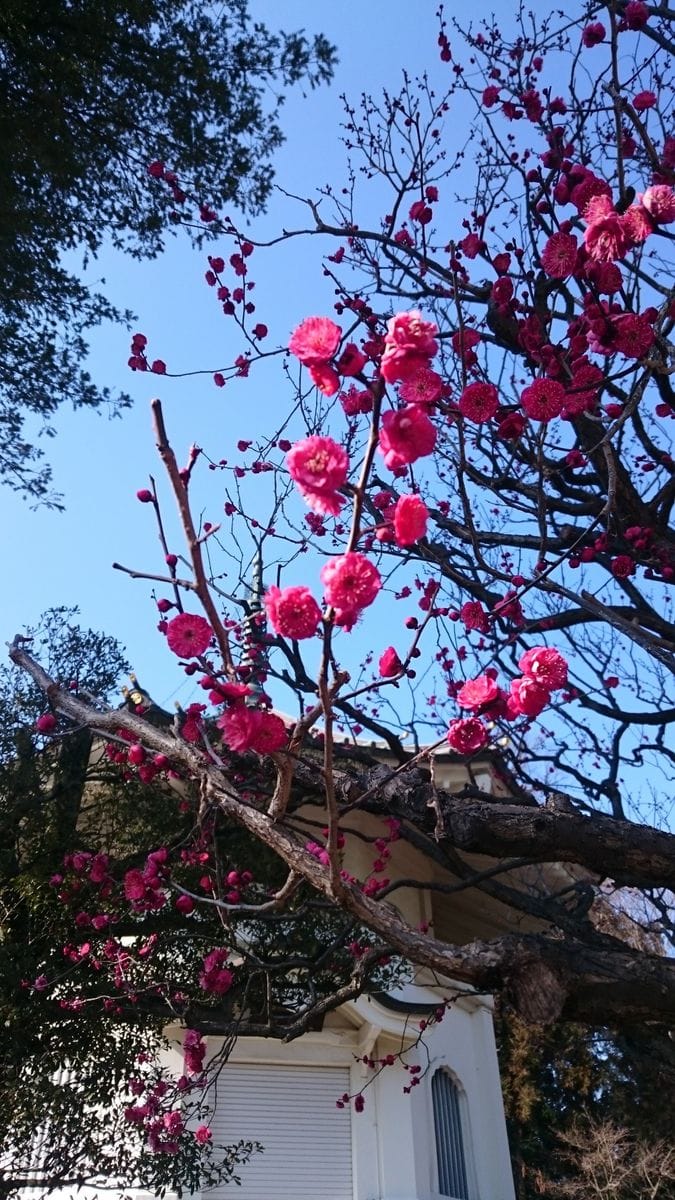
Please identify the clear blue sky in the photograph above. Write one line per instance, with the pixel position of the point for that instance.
(65, 558)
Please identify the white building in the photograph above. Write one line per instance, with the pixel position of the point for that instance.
(445, 1138)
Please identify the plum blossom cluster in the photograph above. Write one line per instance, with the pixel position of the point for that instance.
(247, 728)
(403, 521)
(319, 466)
(87, 887)
(97, 901)
(544, 670)
(163, 1129)
(216, 977)
(138, 360)
(409, 345)
(407, 434)
(243, 726)
(372, 886)
(315, 343)
(609, 233)
(567, 381)
(146, 890)
(166, 1109)
(415, 1072)
(635, 15)
(194, 1052)
(235, 299)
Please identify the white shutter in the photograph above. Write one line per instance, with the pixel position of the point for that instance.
(291, 1111)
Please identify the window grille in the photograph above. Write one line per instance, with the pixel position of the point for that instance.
(450, 1154)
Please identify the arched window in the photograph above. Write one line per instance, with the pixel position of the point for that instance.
(450, 1153)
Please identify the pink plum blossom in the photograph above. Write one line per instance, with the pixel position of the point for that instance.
(325, 378)
(465, 340)
(410, 520)
(589, 185)
(582, 391)
(633, 335)
(409, 343)
(293, 612)
(636, 14)
(623, 566)
(351, 582)
(474, 616)
(638, 223)
(247, 728)
(406, 435)
(607, 238)
(319, 467)
(593, 34)
(605, 277)
(659, 200)
(527, 697)
(599, 205)
(194, 1051)
(479, 693)
(643, 101)
(215, 976)
(543, 399)
(351, 361)
(188, 635)
(423, 387)
(479, 401)
(390, 663)
(356, 401)
(546, 666)
(467, 735)
(559, 255)
(315, 340)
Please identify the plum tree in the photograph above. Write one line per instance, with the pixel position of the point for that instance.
(476, 450)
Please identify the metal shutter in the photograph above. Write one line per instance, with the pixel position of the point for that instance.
(291, 1110)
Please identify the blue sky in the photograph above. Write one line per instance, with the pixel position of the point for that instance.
(65, 558)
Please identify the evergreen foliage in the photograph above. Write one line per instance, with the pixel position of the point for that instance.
(90, 94)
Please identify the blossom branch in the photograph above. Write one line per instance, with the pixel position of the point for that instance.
(194, 542)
